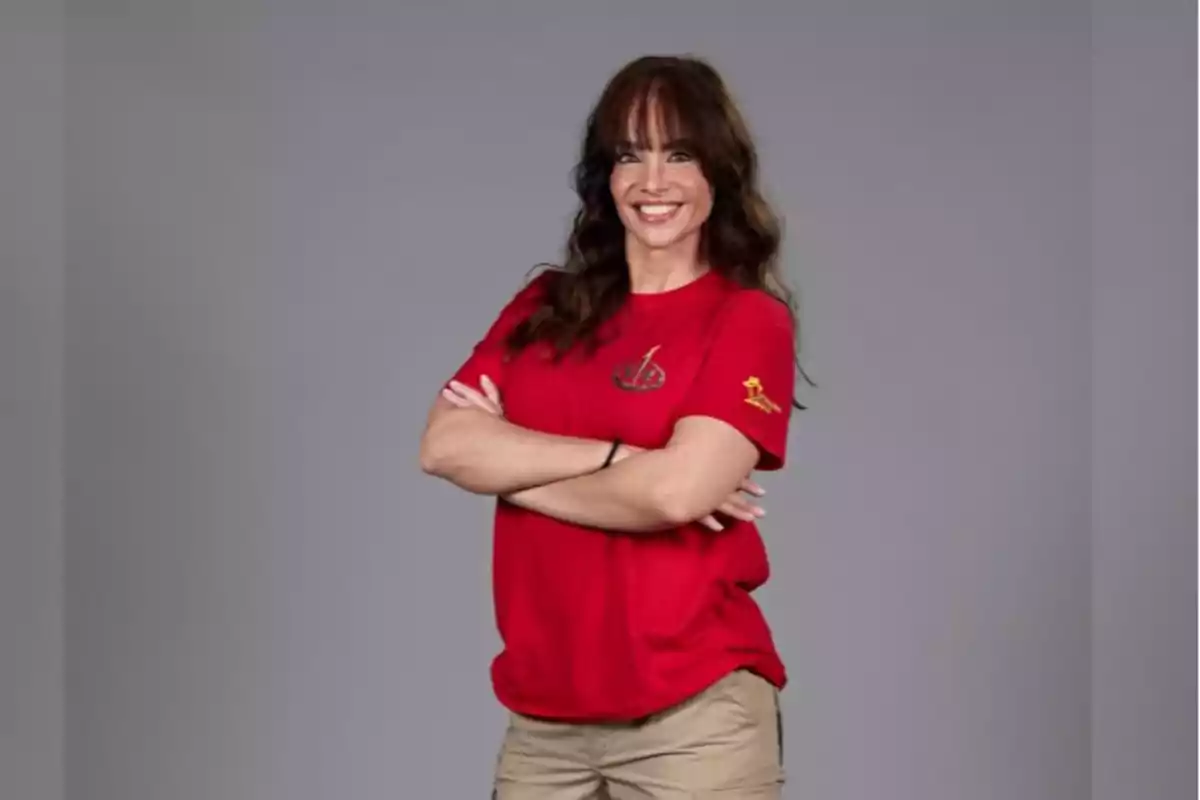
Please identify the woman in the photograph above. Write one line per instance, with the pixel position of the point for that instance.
(616, 408)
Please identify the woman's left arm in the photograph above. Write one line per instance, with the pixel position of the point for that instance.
(705, 462)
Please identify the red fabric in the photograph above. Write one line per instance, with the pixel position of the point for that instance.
(601, 626)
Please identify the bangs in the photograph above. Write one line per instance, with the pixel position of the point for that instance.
(647, 109)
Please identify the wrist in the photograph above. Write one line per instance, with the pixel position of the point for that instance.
(611, 455)
(624, 451)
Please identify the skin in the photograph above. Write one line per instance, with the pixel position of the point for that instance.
(736, 505)
(703, 470)
(662, 254)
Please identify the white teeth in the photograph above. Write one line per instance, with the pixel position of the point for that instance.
(655, 211)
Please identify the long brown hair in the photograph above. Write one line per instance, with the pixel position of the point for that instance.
(740, 239)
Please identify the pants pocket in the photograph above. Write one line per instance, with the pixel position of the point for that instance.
(779, 726)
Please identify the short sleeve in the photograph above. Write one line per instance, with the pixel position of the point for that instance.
(748, 374)
(489, 354)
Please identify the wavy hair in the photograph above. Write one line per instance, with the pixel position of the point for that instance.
(686, 99)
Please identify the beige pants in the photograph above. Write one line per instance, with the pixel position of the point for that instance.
(726, 742)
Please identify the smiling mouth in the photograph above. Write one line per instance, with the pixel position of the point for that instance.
(657, 213)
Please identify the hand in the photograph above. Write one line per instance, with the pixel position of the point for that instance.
(464, 396)
(737, 506)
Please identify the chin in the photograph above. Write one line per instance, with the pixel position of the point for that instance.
(660, 239)
(657, 242)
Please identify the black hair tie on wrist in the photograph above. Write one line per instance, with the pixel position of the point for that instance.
(612, 453)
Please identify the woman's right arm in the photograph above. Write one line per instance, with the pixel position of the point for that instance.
(481, 452)
(485, 454)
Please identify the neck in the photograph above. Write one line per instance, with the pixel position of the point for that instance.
(654, 270)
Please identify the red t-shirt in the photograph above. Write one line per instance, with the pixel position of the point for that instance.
(601, 626)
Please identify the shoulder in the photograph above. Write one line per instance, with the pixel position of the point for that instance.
(535, 289)
(756, 309)
(532, 293)
(540, 283)
(522, 304)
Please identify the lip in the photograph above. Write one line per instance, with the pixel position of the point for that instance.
(657, 217)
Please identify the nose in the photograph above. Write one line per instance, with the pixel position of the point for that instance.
(653, 178)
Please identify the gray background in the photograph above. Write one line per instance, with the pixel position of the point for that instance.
(230, 293)
(31, 402)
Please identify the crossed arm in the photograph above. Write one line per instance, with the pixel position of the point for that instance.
(700, 472)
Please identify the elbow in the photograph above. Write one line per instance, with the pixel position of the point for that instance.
(440, 445)
(430, 461)
(444, 454)
(433, 456)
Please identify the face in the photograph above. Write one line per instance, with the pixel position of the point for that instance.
(660, 193)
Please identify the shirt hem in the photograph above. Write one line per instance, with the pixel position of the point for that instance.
(768, 667)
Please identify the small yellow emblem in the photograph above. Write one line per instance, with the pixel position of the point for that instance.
(756, 397)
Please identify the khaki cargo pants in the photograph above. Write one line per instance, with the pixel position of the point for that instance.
(726, 742)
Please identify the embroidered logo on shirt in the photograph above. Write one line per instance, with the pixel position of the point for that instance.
(640, 376)
(756, 397)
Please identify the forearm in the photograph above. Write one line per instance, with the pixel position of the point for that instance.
(643, 493)
(486, 454)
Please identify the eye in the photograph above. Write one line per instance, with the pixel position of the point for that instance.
(625, 157)
(680, 156)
